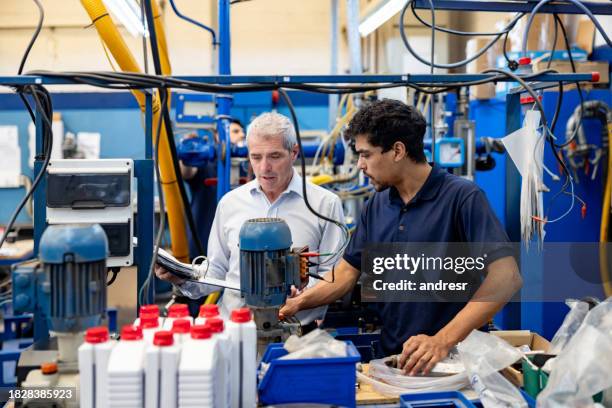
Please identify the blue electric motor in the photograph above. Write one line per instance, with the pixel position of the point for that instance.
(268, 268)
(74, 262)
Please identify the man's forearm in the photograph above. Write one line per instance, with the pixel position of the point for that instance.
(502, 282)
(326, 292)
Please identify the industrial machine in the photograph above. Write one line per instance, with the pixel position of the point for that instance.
(65, 288)
(95, 191)
(268, 269)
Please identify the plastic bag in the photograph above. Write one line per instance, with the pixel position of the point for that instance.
(584, 368)
(380, 371)
(483, 356)
(570, 325)
(294, 342)
(316, 344)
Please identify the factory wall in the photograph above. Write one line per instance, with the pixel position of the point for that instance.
(292, 36)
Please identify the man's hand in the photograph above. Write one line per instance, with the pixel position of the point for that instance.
(291, 306)
(164, 275)
(421, 353)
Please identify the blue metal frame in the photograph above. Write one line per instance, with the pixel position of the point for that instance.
(224, 102)
(282, 80)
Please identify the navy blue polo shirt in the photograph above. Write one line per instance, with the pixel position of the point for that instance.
(447, 208)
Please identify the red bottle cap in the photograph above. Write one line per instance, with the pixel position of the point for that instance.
(163, 338)
(149, 321)
(149, 309)
(241, 315)
(200, 331)
(595, 76)
(181, 326)
(131, 333)
(96, 335)
(211, 310)
(178, 310)
(215, 324)
(524, 61)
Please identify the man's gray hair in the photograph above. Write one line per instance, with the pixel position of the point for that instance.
(272, 124)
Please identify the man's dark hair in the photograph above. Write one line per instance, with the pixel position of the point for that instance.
(236, 121)
(387, 121)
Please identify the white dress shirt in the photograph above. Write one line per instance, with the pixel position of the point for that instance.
(249, 201)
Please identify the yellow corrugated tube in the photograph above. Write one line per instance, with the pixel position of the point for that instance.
(114, 42)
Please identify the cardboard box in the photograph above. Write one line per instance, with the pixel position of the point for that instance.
(486, 60)
(585, 34)
(581, 66)
(518, 338)
(541, 33)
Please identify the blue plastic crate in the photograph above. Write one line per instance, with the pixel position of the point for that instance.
(314, 380)
(447, 399)
(442, 399)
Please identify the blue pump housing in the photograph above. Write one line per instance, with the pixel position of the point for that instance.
(268, 268)
(71, 290)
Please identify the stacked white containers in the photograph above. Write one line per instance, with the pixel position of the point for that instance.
(176, 311)
(206, 312)
(198, 384)
(125, 370)
(181, 329)
(94, 354)
(161, 370)
(216, 326)
(243, 334)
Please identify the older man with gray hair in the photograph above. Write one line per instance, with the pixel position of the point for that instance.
(275, 192)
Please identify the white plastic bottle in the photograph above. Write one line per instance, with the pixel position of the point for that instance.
(125, 370)
(206, 312)
(161, 371)
(243, 334)
(149, 310)
(217, 327)
(198, 370)
(181, 328)
(87, 385)
(149, 323)
(176, 311)
(102, 353)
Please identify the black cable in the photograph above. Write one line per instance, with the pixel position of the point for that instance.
(553, 123)
(41, 17)
(170, 136)
(459, 32)
(115, 272)
(340, 225)
(554, 47)
(540, 108)
(578, 88)
(45, 109)
(512, 64)
(454, 64)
